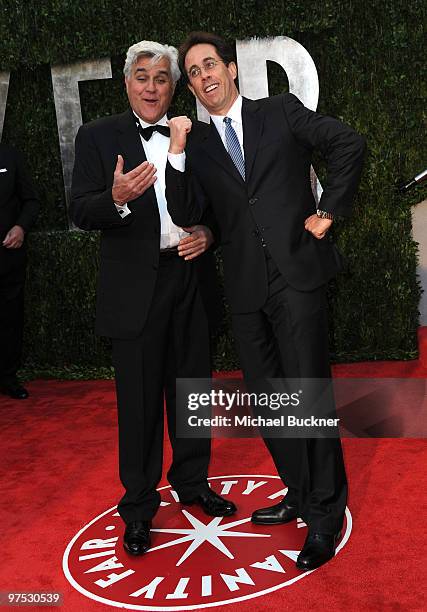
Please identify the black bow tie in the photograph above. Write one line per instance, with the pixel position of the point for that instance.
(147, 132)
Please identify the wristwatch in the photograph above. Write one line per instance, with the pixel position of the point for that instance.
(323, 214)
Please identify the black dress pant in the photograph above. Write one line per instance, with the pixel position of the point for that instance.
(173, 344)
(288, 338)
(12, 282)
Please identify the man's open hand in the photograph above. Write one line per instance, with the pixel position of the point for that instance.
(198, 242)
(14, 238)
(317, 226)
(129, 186)
(179, 127)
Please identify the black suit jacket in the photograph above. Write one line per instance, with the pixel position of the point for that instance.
(279, 136)
(19, 204)
(129, 254)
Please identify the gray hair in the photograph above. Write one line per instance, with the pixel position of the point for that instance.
(157, 52)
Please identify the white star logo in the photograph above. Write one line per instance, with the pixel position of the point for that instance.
(211, 533)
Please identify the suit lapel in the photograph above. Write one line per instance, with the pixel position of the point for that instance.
(133, 151)
(130, 141)
(213, 146)
(253, 122)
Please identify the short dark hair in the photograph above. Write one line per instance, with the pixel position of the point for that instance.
(223, 48)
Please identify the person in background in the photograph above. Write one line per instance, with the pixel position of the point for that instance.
(19, 207)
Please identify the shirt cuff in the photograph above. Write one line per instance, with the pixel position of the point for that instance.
(123, 210)
(177, 161)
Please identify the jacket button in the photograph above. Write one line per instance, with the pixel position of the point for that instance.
(253, 201)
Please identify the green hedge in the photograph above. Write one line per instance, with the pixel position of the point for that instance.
(370, 60)
(60, 305)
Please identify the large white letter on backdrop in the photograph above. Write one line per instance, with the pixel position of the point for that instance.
(65, 81)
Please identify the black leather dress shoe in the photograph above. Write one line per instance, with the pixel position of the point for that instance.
(318, 549)
(213, 504)
(280, 513)
(136, 540)
(14, 390)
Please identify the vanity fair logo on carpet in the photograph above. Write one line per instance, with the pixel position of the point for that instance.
(195, 561)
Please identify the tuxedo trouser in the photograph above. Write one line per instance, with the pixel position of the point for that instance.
(288, 337)
(173, 344)
(12, 282)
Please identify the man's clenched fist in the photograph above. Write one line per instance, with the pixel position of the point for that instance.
(129, 186)
(317, 226)
(179, 127)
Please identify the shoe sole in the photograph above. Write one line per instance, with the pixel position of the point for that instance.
(230, 513)
(258, 522)
(308, 569)
(135, 554)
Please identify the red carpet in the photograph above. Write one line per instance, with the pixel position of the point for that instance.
(59, 456)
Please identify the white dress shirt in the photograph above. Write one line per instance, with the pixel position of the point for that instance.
(235, 114)
(156, 152)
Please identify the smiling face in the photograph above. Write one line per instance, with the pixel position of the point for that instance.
(214, 86)
(150, 88)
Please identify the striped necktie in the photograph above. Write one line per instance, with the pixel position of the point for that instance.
(233, 147)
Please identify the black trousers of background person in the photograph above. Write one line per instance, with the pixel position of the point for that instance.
(288, 337)
(173, 344)
(12, 283)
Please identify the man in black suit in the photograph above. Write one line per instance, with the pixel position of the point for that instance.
(251, 167)
(148, 301)
(19, 207)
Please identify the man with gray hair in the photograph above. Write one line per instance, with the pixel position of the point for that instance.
(150, 301)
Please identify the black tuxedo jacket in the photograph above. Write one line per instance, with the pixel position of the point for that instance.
(19, 204)
(129, 255)
(273, 202)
